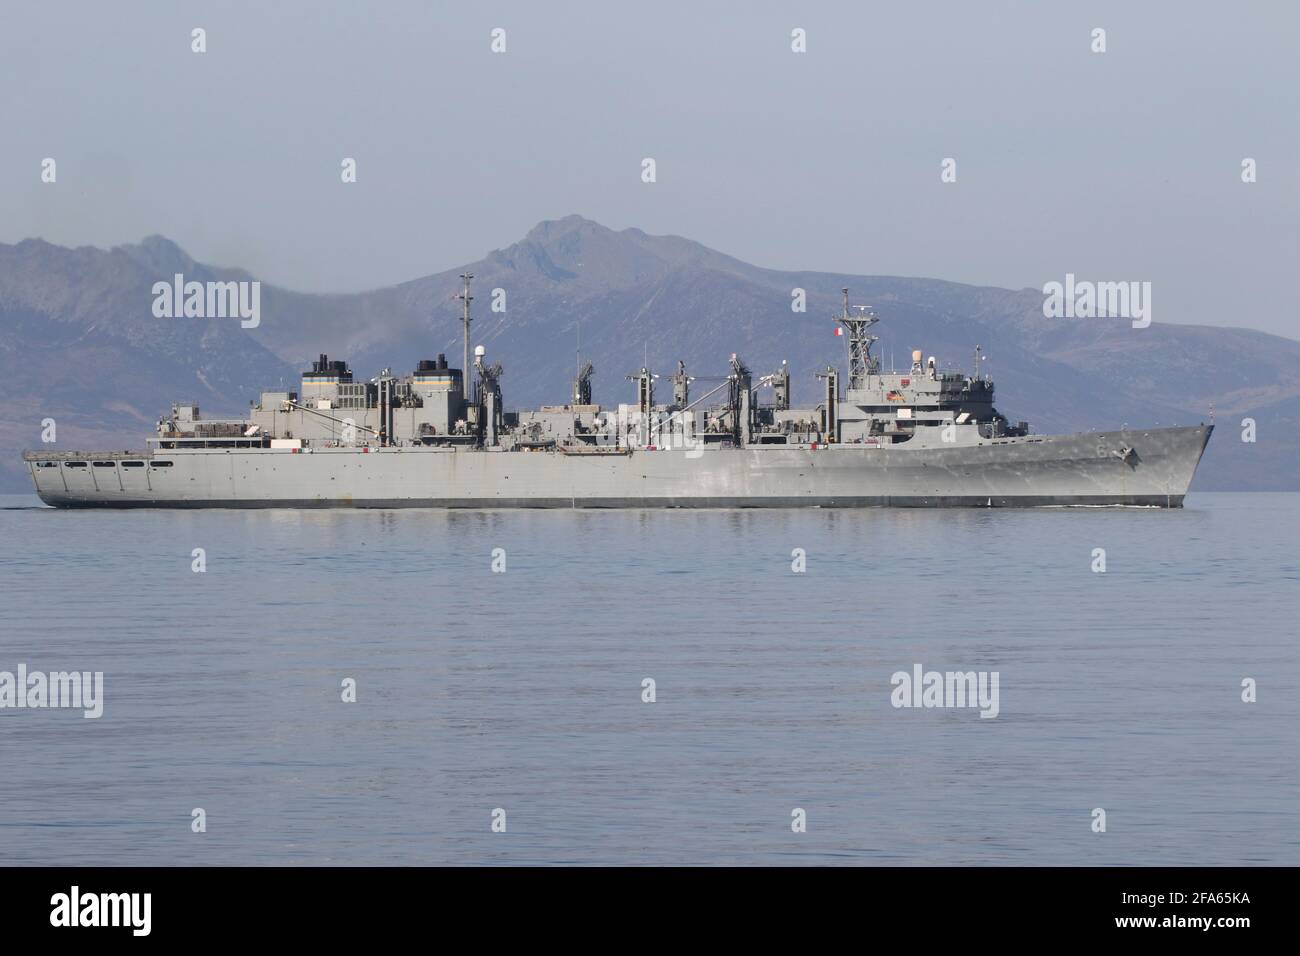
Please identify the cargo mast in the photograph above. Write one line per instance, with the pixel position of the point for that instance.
(467, 299)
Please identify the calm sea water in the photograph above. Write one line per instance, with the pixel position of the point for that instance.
(523, 690)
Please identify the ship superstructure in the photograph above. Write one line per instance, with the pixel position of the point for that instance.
(438, 437)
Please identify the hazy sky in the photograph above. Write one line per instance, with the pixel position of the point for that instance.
(1117, 166)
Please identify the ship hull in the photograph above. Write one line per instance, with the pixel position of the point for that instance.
(1145, 468)
(1149, 468)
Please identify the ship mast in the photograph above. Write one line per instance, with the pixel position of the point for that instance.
(861, 362)
(467, 299)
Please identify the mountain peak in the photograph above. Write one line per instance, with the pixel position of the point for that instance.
(158, 254)
(549, 230)
(575, 247)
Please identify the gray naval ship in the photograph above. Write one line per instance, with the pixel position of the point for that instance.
(438, 438)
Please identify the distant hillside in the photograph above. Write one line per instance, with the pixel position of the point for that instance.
(79, 342)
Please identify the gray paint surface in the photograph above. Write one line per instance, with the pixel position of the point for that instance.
(1032, 470)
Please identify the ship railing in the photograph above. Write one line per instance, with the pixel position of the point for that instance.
(83, 455)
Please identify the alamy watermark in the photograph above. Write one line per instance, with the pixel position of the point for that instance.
(922, 688)
(129, 910)
(209, 300)
(1075, 299)
(78, 690)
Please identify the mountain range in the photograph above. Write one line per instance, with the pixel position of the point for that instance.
(79, 342)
